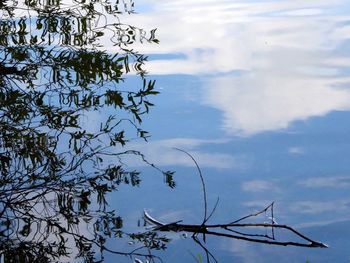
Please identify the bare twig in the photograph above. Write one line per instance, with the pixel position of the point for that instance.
(204, 229)
(207, 252)
(202, 181)
(253, 214)
(229, 230)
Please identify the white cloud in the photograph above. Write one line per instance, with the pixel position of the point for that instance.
(259, 186)
(326, 182)
(324, 223)
(162, 153)
(257, 205)
(318, 207)
(302, 12)
(256, 103)
(231, 33)
(281, 54)
(245, 250)
(174, 216)
(295, 150)
(285, 48)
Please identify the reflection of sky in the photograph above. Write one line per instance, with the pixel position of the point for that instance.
(257, 92)
(286, 52)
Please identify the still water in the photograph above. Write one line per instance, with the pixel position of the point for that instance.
(253, 92)
(258, 93)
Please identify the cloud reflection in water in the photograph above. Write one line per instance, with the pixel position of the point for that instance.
(162, 153)
(291, 69)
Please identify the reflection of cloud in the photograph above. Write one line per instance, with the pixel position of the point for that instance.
(162, 153)
(327, 182)
(91, 121)
(295, 150)
(244, 250)
(291, 68)
(259, 186)
(302, 12)
(255, 103)
(257, 205)
(235, 33)
(318, 207)
(324, 223)
(173, 216)
(40, 214)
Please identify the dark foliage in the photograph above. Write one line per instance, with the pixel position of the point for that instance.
(54, 74)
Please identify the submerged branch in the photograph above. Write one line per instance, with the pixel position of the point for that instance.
(236, 229)
(206, 229)
(229, 230)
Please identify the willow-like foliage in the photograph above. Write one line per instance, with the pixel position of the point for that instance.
(55, 76)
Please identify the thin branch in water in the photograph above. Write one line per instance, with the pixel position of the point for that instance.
(208, 254)
(250, 235)
(202, 181)
(204, 229)
(272, 220)
(253, 214)
(229, 230)
(212, 211)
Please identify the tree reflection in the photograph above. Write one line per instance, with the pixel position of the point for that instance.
(54, 74)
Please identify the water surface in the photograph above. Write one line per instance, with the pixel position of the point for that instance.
(257, 92)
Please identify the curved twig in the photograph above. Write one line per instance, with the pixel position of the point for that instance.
(202, 181)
